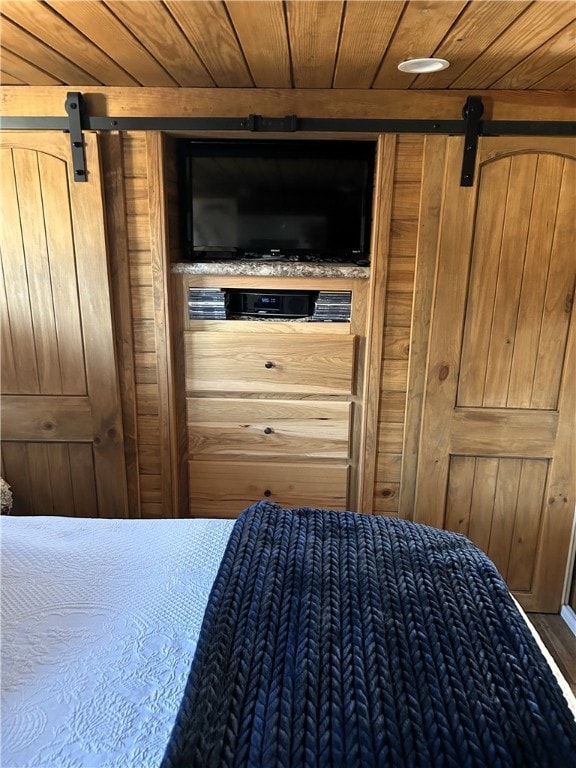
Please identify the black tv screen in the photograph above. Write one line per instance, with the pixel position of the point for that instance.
(265, 197)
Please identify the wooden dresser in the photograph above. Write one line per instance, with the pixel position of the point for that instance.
(272, 408)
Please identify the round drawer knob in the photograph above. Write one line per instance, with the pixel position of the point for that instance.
(267, 493)
(268, 364)
(268, 430)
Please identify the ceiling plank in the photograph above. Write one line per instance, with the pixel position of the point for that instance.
(552, 54)
(42, 22)
(421, 30)
(313, 31)
(208, 28)
(477, 26)
(25, 72)
(151, 23)
(536, 25)
(366, 33)
(261, 30)
(43, 56)
(562, 79)
(96, 22)
(7, 79)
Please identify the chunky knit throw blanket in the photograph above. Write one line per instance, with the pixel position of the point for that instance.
(342, 640)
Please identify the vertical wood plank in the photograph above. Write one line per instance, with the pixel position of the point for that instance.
(41, 490)
(536, 268)
(433, 170)
(31, 207)
(113, 170)
(16, 472)
(482, 505)
(62, 274)
(58, 455)
(9, 382)
(375, 314)
(514, 240)
(505, 504)
(84, 485)
(559, 298)
(164, 362)
(527, 524)
(14, 267)
(459, 497)
(494, 178)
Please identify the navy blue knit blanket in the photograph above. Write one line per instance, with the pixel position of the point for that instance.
(341, 640)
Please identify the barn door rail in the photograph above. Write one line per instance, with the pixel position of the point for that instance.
(471, 126)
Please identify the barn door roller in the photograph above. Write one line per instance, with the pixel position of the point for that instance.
(472, 113)
(75, 108)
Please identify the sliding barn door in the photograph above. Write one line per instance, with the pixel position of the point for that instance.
(62, 447)
(496, 451)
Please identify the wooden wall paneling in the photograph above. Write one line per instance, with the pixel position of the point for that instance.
(115, 199)
(99, 24)
(375, 315)
(169, 444)
(432, 185)
(177, 314)
(405, 196)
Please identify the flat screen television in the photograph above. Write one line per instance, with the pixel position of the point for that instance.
(308, 199)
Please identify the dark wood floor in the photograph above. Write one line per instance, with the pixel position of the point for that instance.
(560, 642)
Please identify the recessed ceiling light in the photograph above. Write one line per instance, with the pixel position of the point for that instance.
(420, 66)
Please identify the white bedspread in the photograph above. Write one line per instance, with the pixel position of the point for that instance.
(100, 620)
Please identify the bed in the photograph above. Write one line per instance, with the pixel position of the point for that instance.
(100, 625)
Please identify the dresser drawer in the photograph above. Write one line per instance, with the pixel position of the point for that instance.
(244, 362)
(225, 488)
(234, 427)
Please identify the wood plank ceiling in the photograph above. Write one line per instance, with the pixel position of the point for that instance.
(357, 44)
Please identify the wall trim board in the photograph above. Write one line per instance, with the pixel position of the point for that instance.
(322, 103)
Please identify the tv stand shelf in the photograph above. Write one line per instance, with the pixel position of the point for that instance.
(269, 409)
(272, 269)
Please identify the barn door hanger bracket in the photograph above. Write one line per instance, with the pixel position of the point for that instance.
(76, 110)
(258, 123)
(472, 114)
